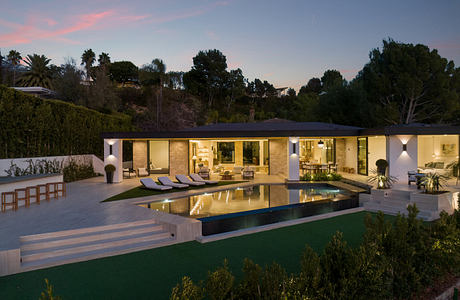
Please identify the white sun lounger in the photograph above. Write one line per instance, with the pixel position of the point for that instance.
(185, 180)
(148, 183)
(166, 181)
(198, 178)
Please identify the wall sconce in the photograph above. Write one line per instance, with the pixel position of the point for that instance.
(110, 149)
(294, 148)
(320, 144)
(404, 147)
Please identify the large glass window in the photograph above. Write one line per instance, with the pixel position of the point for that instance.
(226, 152)
(437, 153)
(251, 153)
(362, 156)
(158, 157)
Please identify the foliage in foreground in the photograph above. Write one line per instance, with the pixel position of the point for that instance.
(395, 261)
(48, 293)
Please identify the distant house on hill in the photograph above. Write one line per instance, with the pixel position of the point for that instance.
(37, 91)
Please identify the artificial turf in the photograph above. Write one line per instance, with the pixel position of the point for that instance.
(140, 191)
(151, 274)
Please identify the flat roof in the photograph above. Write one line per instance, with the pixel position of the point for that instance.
(37, 90)
(284, 128)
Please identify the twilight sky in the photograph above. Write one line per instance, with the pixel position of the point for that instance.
(284, 42)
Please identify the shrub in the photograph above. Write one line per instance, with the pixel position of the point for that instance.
(109, 168)
(433, 183)
(321, 177)
(48, 294)
(382, 166)
(74, 171)
(219, 283)
(186, 290)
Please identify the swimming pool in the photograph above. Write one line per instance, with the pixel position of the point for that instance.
(257, 205)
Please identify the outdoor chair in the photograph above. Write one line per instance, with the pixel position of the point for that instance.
(411, 177)
(128, 172)
(33, 193)
(148, 183)
(166, 181)
(198, 178)
(42, 190)
(142, 172)
(52, 190)
(248, 173)
(204, 172)
(5, 202)
(185, 180)
(22, 195)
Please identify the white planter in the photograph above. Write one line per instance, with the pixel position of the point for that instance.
(433, 203)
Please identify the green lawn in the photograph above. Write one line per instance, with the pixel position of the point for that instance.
(152, 273)
(140, 191)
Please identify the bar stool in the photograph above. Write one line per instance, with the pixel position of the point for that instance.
(60, 188)
(52, 191)
(24, 198)
(34, 193)
(42, 190)
(5, 203)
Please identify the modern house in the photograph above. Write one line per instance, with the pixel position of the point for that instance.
(287, 148)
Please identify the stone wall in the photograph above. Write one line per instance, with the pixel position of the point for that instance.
(340, 153)
(139, 155)
(278, 156)
(178, 157)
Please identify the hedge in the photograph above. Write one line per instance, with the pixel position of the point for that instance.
(31, 126)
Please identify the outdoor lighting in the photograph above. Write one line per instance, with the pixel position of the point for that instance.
(404, 147)
(294, 148)
(110, 149)
(320, 144)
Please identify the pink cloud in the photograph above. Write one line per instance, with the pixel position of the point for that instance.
(212, 35)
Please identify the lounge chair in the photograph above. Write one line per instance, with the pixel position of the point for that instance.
(198, 178)
(185, 180)
(142, 172)
(148, 183)
(166, 181)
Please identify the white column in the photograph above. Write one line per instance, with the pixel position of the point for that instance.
(115, 158)
(400, 161)
(293, 152)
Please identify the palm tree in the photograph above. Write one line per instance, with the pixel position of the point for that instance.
(38, 72)
(159, 68)
(87, 59)
(14, 57)
(104, 59)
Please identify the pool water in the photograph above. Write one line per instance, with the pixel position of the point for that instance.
(256, 205)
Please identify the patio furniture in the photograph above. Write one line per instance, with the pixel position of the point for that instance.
(411, 177)
(52, 190)
(198, 178)
(204, 172)
(22, 195)
(332, 167)
(60, 188)
(166, 181)
(248, 173)
(142, 172)
(323, 168)
(148, 183)
(6, 203)
(129, 171)
(237, 169)
(33, 193)
(419, 179)
(226, 176)
(185, 180)
(42, 190)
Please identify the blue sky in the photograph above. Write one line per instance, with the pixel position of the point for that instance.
(284, 42)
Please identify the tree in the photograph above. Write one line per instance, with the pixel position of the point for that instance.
(123, 71)
(331, 79)
(67, 84)
(87, 59)
(208, 75)
(104, 59)
(410, 83)
(38, 72)
(159, 68)
(235, 86)
(313, 86)
(14, 57)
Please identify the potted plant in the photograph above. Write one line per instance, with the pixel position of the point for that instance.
(382, 166)
(109, 170)
(433, 199)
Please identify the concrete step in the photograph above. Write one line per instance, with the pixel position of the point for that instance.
(95, 254)
(82, 231)
(89, 248)
(88, 237)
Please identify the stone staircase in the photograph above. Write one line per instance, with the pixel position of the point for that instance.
(56, 248)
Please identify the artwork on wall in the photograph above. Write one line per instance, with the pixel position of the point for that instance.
(448, 149)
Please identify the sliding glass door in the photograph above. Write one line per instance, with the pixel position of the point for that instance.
(362, 156)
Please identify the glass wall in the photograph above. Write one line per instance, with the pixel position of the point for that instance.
(158, 157)
(217, 156)
(362, 156)
(320, 151)
(436, 153)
